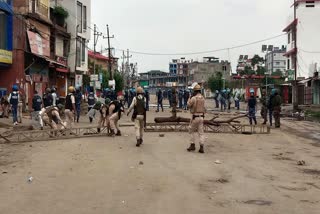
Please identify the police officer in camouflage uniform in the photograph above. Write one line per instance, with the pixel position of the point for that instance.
(276, 106)
(197, 109)
(264, 108)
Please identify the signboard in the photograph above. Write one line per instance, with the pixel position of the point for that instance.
(98, 84)
(290, 75)
(94, 77)
(61, 60)
(38, 45)
(5, 56)
(78, 80)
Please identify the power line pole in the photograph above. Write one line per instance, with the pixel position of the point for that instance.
(127, 72)
(95, 41)
(109, 52)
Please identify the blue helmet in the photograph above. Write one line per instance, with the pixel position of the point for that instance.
(15, 88)
(273, 91)
(251, 90)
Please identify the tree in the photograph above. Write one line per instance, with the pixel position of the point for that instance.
(117, 77)
(256, 60)
(261, 70)
(215, 82)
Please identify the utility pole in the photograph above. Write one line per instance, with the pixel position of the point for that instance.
(95, 41)
(109, 52)
(127, 72)
(295, 91)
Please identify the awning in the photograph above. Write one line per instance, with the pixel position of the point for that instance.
(51, 61)
(304, 81)
(289, 27)
(291, 52)
(63, 70)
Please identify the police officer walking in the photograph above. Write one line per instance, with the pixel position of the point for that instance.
(91, 102)
(14, 101)
(70, 107)
(216, 98)
(180, 95)
(139, 114)
(197, 108)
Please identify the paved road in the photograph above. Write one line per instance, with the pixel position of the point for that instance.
(257, 174)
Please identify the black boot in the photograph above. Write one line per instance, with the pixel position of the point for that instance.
(118, 133)
(201, 149)
(138, 142)
(192, 147)
(112, 134)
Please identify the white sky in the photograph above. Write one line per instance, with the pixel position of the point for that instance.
(176, 26)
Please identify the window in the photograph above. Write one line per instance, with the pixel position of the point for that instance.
(3, 30)
(309, 3)
(288, 64)
(83, 50)
(78, 51)
(277, 63)
(84, 17)
(79, 17)
(289, 38)
(65, 48)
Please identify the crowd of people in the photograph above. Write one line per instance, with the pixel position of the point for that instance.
(108, 108)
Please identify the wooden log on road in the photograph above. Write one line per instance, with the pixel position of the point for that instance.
(212, 121)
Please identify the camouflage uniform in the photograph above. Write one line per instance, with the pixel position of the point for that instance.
(276, 105)
(264, 109)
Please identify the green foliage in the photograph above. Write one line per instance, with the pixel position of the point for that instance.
(117, 77)
(247, 71)
(256, 60)
(261, 71)
(215, 82)
(60, 11)
(277, 73)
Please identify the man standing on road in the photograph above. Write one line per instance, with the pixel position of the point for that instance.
(223, 100)
(185, 99)
(91, 102)
(270, 107)
(147, 96)
(276, 106)
(159, 99)
(78, 97)
(139, 114)
(180, 95)
(70, 107)
(252, 103)
(216, 98)
(264, 108)
(237, 100)
(14, 101)
(197, 108)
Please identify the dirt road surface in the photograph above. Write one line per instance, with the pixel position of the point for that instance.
(257, 174)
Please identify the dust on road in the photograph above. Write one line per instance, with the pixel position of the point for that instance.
(256, 174)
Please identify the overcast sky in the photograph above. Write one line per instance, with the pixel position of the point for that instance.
(176, 26)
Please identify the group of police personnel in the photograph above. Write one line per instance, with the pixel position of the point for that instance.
(47, 110)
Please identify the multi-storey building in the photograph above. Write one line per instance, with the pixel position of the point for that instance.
(201, 71)
(79, 26)
(276, 61)
(6, 19)
(303, 49)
